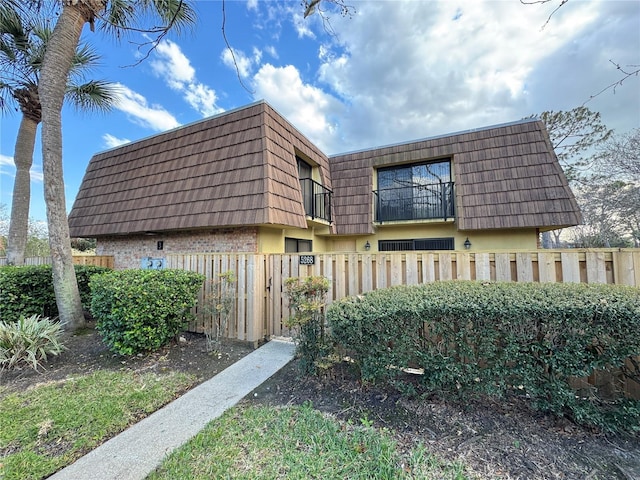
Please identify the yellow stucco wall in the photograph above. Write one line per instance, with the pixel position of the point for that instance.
(487, 240)
(271, 240)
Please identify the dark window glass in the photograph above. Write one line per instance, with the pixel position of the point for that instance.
(304, 169)
(296, 245)
(414, 192)
(416, 244)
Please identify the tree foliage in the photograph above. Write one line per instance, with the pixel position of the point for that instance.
(575, 136)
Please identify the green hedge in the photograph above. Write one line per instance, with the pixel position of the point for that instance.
(141, 310)
(28, 290)
(527, 339)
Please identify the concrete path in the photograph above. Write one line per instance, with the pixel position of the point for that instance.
(137, 451)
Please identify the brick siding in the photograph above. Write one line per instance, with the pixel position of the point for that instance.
(128, 251)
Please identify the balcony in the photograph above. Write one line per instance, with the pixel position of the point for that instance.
(418, 202)
(316, 199)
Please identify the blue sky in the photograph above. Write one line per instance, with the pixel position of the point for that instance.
(394, 71)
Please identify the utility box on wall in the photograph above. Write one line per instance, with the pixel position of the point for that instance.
(149, 263)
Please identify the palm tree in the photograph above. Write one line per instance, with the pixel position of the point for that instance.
(23, 39)
(115, 16)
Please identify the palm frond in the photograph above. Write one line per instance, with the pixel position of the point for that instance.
(95, 95)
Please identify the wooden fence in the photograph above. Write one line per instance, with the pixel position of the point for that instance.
(96, 260)
(261, 307)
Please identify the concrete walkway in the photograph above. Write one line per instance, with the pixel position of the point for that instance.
(137, 451)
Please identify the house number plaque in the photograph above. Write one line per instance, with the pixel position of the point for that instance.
(307, 259)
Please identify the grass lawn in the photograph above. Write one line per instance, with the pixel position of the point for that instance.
(251, 442)
(50, 426)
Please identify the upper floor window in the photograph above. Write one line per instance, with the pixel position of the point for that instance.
(316, 198)
(415, 192)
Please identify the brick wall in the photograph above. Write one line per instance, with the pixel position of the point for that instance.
(129, 250)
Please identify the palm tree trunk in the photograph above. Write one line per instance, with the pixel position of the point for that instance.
(53, 80)
(19, 224)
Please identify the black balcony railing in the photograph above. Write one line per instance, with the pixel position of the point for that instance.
(417, 202)
(317, 199)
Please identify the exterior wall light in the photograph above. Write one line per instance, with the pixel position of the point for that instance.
(367, 246)
(467, 244)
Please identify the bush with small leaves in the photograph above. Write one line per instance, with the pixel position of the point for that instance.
(29, 342)
(141, 310)
(28, 290)
(527, 339)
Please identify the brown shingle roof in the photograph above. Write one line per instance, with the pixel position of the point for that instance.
(238, 168)
(505, 177)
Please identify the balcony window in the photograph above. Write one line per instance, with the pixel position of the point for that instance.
(316, 198)
(415, 192)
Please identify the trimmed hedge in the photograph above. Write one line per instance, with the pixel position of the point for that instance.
(527, 339)
(141, 310)
(28, 290)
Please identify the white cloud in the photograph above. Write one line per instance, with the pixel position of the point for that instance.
(307, 107)
(271, 50)
(136, 106)
(172, 65)
(111, 141)
(6, 160)
(438, 67)
(202, 99)
(237, 60)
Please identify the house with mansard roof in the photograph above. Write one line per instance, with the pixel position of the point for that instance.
(248, 181)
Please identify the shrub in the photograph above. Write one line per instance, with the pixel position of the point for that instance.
(28, 290)
(141, 310)
(306, 300)
(28, 342)
(526, 339)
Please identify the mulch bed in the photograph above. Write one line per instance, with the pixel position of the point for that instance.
(505, 440)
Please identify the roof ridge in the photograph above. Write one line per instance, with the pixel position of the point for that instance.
(443, 135)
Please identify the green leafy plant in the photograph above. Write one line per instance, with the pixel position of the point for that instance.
(307, 301)
(29, 342)
(219, 303)
(480, 338)
(28, 290)
(141, 310)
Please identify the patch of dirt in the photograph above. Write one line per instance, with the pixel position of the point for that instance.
(86, 353)
(495, 440)
(504, 440)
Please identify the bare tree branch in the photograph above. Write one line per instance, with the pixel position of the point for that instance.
(533, 2)
(233, 55)
(614, 85)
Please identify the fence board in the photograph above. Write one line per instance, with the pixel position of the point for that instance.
(367, 273)
(524, 267)
(596, 269)
(570, 267)
(381, 271)
(275, 294)
(483, 266)
(396, 269)
(463, 266)
(503, 267)
(624, 266)
(445, 268)
(428, 268)
(411, 260)
(327, 271)
(353, 275)
(547, 267)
